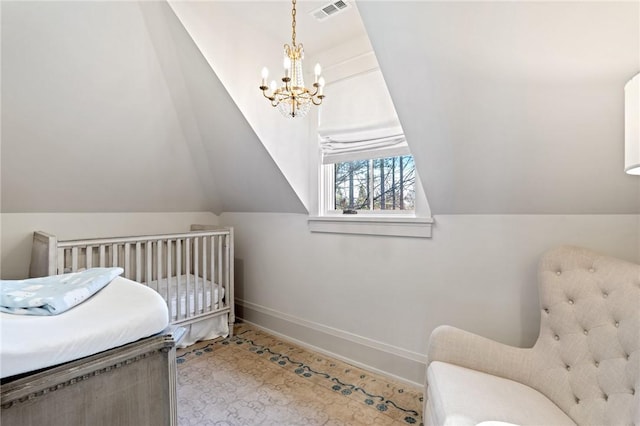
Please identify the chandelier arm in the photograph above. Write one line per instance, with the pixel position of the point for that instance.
(317, 87)
(313, 100)
(264, 93)
(286, 81)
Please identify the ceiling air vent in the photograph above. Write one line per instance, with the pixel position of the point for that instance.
(330, 9)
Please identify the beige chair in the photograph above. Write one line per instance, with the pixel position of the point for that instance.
(584, 368)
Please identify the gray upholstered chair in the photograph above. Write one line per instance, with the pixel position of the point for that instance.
(584, 368)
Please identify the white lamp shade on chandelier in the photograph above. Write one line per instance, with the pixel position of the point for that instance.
(632, 126)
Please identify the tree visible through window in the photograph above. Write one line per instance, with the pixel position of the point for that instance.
(375, 184)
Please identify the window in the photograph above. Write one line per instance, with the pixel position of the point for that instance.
(369, 185)
(367, 181)
(374, 196)
(368, 171)
(373, 185)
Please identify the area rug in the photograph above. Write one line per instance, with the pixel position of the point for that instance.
(254, 378)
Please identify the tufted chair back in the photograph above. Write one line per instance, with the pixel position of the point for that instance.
(587, 357)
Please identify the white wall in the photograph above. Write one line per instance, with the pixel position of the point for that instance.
(478, 272)
(16, 231)
(88, 122)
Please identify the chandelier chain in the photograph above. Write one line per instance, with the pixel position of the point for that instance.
(293, 24)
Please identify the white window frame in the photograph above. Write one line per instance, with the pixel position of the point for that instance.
(398, 223)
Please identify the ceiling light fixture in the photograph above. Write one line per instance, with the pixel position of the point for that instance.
(292, 98)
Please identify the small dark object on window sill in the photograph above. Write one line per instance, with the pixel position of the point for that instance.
(349, 211)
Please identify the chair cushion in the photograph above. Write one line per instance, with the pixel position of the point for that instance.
(460, 396)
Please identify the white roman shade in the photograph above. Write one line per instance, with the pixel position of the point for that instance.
(361, 123)
(363, 144)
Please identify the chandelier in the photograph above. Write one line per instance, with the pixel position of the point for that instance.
(292, 98)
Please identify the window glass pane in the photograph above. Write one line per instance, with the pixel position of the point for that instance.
(351, 185)
(379, 184)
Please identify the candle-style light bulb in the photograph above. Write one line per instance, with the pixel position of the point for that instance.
(287, 66)
(265, 74)
(317, 70)
(320, 85)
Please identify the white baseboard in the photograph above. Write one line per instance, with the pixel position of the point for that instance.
(400, 364)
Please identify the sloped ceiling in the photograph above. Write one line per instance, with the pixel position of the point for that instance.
(109, 106)
(512, 107)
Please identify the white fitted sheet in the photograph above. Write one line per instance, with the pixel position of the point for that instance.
(122, 312)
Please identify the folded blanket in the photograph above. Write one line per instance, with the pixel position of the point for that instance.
(55, 294)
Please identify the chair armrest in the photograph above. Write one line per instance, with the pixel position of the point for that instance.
(459, 347)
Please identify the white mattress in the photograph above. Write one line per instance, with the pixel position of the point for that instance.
(195, 295)
(122, 312)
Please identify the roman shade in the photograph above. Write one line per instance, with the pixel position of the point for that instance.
(362, 122)
(363, 144)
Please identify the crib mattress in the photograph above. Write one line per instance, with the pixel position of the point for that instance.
(122, 312)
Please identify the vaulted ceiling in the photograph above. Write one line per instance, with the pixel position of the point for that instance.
(508, 107)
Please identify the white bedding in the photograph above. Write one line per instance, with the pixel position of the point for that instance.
(122, 312)
(195, 295)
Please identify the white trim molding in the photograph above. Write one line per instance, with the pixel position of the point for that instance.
(392, 361)
(391, 225)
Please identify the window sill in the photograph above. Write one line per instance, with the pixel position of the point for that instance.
(417, 227)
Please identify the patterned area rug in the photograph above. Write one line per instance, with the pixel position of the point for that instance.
(255, 378)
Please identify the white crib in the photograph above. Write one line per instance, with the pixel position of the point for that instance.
(192, 271)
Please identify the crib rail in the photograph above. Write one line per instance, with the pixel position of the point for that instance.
(192, 271)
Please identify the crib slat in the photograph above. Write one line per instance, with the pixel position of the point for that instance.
(220, 270)
(169, 292)
(159, 268)
(74, 259)
(230, 296)
(202, 296)
(127, 260)
(213, 273)
(187, 267)
(102, 256)
(88, 257)
(61, 261)
(138, 267)
(196, 273)
(178, 280)
(228, 273)
(204, 272)
(114, 255)
(148, 247)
